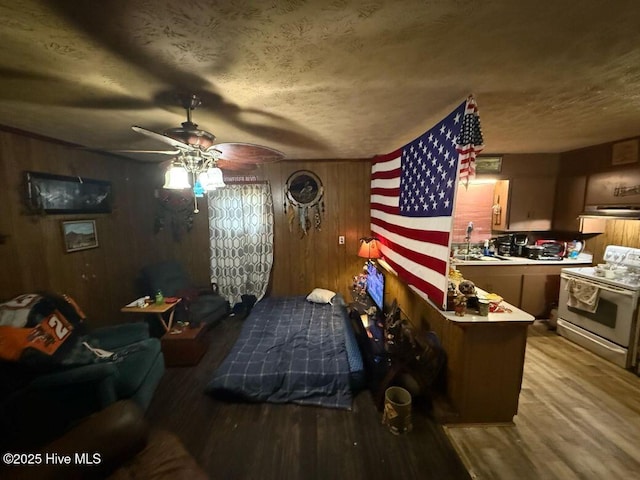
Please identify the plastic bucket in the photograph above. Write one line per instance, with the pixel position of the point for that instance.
(397, 410)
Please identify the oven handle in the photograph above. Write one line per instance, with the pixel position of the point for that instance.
(609, 288)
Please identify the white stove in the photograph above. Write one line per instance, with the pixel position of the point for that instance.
(598, 306)
(590, 273)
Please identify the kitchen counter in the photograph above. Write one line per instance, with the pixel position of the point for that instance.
(485, 355)
(582, 259)
(485, 361)
(511, 314)
(530, 285)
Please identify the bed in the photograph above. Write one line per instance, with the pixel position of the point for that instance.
(291, 350)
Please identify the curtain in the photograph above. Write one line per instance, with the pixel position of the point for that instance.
(241, 239)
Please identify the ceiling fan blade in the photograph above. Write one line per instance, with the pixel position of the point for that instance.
(159, 152)
(247, 153)
(162, 138)
(236, 167)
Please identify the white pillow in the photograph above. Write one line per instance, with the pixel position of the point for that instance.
(321, 295)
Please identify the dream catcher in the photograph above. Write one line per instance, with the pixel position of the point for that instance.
(175, 211)
(304, 201)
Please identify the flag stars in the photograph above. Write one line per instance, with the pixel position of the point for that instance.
(429, 165)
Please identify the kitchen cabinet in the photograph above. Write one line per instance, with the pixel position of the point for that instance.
(506, 282)
(570, 201)
(531, 203)
(500, 205)
(540, 290)
(523, 204)
(531, 287)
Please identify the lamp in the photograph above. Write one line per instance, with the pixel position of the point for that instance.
(205, 174)
(369, 248)
(176, 177)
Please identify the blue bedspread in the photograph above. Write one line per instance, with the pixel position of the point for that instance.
(289, 350)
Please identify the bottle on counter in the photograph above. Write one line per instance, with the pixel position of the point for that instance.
(159, 298)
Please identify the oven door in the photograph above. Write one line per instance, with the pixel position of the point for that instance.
(614, 319)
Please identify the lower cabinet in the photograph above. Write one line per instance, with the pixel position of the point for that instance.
(540, 291)
(507, 284)
(532, 288)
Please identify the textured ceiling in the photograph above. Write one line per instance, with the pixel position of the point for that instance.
(322, 79)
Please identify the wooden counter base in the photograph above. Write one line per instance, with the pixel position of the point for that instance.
(485, 359)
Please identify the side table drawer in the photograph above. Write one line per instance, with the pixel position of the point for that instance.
(184, 348)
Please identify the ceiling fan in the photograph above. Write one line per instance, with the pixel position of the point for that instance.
(196, 145)
(197, 154)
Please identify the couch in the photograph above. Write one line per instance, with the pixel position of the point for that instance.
(39, 402)
(120, 444)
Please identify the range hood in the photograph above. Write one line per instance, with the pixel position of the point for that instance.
(626, 212)
(613, 194)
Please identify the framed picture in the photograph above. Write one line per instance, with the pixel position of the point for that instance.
(488, 164)
(58, 194)
(79, 235)
(624, 152)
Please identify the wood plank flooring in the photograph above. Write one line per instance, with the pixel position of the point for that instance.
(578, 418)
(249, 441)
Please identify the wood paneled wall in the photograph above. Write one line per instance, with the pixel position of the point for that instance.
(103, 279)
(302, 263)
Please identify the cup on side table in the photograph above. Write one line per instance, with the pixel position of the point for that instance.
(483, 307)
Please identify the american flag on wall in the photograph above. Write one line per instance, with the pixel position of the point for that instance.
(412, 197)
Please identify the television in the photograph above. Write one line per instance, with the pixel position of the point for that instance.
(375, 285)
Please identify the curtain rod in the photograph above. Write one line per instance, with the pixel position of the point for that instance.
(246, 182)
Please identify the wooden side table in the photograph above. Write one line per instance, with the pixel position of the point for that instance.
(159, 309)
(184, 346)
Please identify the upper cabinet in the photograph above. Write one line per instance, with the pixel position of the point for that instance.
(500, 207)
(570, 202)
(531, 203)
(520, 198)
(524, 204)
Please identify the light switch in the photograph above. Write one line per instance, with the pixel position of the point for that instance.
(341, 240)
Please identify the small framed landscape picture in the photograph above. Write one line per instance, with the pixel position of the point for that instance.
(79, 235)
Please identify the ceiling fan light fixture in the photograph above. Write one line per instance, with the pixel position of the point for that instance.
(211, 179)
(176, 177)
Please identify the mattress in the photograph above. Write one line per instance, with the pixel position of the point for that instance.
(293, 351)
